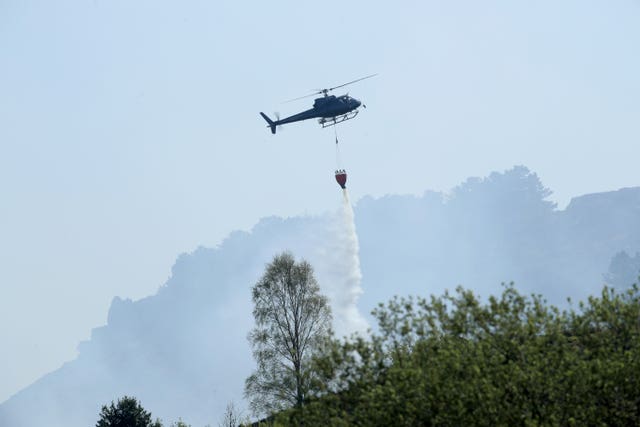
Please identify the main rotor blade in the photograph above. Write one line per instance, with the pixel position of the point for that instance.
(301, 97)
(325, 91)
(353, 81)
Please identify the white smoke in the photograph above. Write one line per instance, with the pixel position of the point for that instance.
(341, 276)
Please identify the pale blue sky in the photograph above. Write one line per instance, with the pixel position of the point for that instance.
(129, 130)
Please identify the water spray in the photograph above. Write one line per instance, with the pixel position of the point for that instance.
(344, 258)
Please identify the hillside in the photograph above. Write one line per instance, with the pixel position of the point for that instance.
(183, 351)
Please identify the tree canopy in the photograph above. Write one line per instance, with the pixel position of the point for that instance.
(128, 412)
(293, 320)
(514, 360)
(623, 270)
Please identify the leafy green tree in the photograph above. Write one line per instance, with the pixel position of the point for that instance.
(515, 360)
(292, 321)
(128, 412)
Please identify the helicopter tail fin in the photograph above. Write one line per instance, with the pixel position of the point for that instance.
(272, 124)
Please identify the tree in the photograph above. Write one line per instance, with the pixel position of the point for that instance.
(292, 321)
(232, 416)
(514, 360)
(126, 413)
(623, 270)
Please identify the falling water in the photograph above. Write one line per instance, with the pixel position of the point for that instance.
(342, 274)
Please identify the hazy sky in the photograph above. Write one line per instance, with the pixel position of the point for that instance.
(129, 130)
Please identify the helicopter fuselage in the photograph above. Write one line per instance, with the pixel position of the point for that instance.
(326, 107)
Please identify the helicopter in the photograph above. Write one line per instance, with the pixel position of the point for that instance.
(329, 109)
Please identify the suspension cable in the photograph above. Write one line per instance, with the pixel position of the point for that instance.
(335, 132)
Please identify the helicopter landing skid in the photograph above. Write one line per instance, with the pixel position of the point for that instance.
(332, 121)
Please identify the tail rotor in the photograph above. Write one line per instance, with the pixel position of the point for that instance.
(277, 114)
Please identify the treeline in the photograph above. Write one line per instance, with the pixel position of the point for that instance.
(129, 412)
(453, 360)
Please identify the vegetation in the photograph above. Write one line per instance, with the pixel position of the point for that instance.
(623, 270)
(515, 360)
(232, 417)
(292, 322)
(128, 412)
(449, 360)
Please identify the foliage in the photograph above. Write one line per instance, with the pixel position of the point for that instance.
(292, 322)
(126, 413)
(515, 360)
(623, 270)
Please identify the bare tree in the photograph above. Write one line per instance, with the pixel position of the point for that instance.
(292, 320)
(232, 416)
